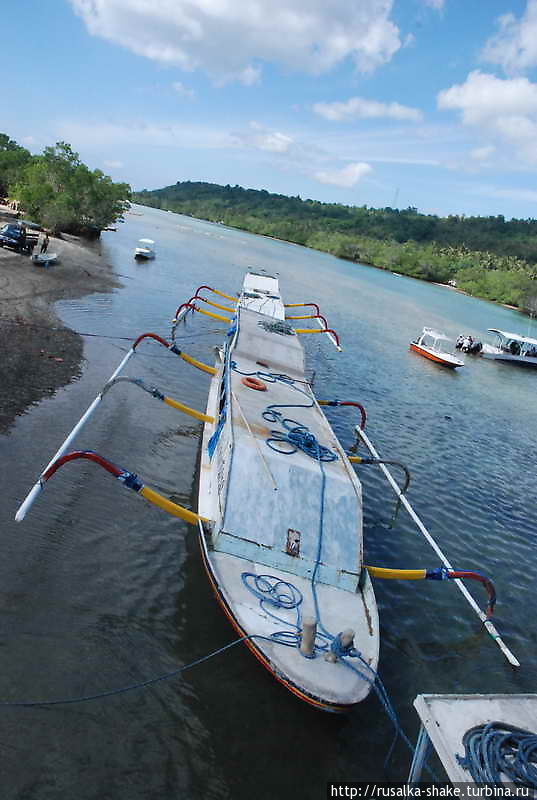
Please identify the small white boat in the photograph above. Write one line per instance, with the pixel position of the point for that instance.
(511, 348)
(428, 346)
(145, 250)
(44, 259)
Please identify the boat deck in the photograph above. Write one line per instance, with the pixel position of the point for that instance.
(286, 490)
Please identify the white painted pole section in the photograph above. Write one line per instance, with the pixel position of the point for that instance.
(330, 336)
(38, 486)
(491, 629)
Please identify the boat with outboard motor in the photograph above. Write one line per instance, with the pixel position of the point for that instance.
(279, 514)
(427, 345)
(145, 250)
(511, 348)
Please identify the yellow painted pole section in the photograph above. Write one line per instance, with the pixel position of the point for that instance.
(172, 508)
(308, 330)
(352, 459)
(292, 305)
(397, 574)
(204, 367)
(233, 299)
(214, 316)
(309, 316)
(217, 305)
(187, 410)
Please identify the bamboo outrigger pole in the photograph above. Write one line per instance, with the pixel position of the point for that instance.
(330, 335)
(38, 485)
(488, 625)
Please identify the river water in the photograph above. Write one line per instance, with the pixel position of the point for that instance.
(100, 590)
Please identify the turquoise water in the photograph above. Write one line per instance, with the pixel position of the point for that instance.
(101, 590)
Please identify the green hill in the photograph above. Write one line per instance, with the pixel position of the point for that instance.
(489, 257)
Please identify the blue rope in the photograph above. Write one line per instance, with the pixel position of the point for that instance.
(498, 748)
(268, 588)
(122, 690)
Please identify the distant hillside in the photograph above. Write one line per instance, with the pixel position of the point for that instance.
(486, 256)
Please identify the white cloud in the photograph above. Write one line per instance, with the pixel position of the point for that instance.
(183, 90)
(483, 153)
(260, 138)
(230, 39)
(111, 136)
(346, 177)
(28, 140)
(504, 108)
(483, 97)
(113, 164)
(514, 47)
(366, 109)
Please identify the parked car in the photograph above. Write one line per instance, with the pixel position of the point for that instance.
(15, 237)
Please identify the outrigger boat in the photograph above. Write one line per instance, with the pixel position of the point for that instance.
(427, 345)
(512, 348)
(284, 550)
(280, 508)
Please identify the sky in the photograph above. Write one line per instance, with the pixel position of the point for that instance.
(423, 103)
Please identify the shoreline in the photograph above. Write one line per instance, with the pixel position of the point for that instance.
(39, 354)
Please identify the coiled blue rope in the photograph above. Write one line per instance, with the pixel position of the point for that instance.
(498, 749)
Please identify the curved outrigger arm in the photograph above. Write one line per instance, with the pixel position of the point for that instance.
(184, 308)
(128, 479)
(154, 392)
(438, 574)
(38, 485)
(332, 335)
(487, 624)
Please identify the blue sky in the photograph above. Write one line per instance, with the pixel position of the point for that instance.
(426, 103)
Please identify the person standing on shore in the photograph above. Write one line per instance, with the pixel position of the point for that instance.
(44, 243)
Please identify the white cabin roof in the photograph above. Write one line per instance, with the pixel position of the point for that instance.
(514, 336)
(146, 241)
(436, 334)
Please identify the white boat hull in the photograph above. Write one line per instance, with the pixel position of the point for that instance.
(257, 498)
(144, 254)
(508, 358)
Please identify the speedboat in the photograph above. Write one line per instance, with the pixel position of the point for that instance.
(511, 348)
(145, 250)
(428, 346)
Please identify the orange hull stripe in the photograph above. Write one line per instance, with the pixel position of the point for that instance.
(430, 356)
(257, 653)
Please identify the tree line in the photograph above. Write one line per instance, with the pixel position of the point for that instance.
(489, 257)
(59, 192)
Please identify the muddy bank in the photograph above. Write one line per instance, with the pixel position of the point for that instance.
(37, 353)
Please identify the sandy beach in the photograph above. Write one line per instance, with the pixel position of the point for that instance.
(37, 353)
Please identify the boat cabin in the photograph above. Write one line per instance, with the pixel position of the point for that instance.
(511, 347)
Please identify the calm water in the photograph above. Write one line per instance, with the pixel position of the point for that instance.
(100, 590)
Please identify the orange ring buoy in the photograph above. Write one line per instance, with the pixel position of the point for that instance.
(254, 383)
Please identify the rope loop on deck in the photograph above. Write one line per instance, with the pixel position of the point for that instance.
(299, 437)
(498, 749)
